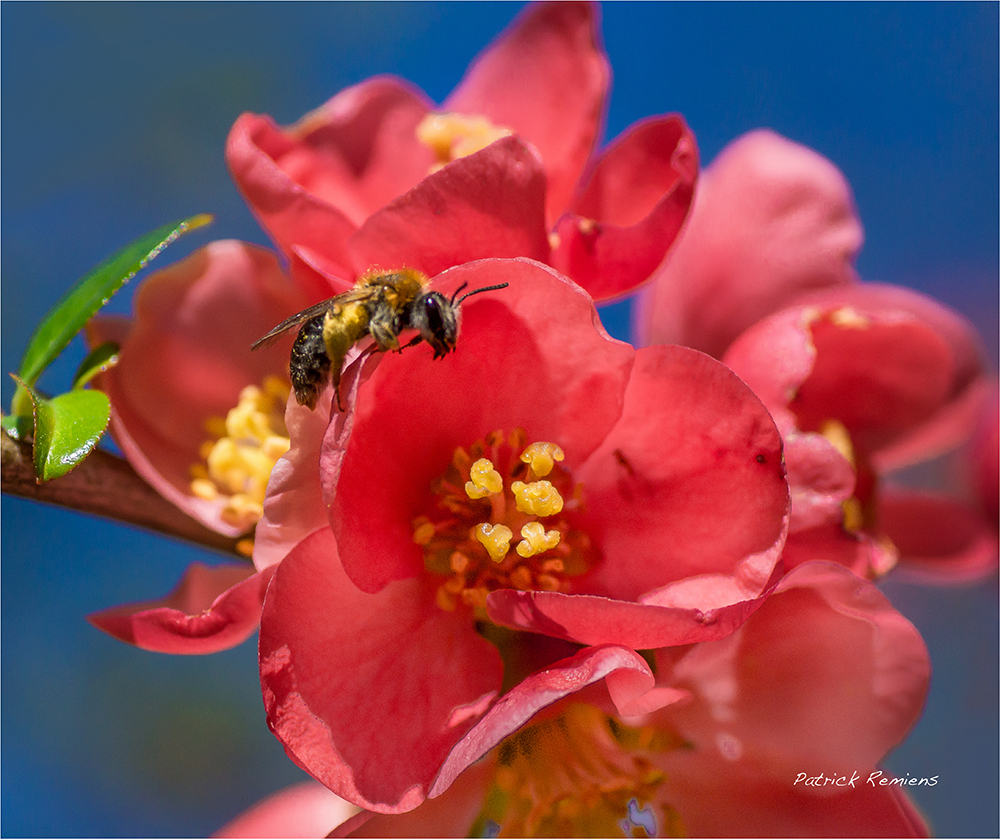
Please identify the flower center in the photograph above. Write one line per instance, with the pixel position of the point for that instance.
(498, 492)
(579, 774)
(451, 136)
(238, 458)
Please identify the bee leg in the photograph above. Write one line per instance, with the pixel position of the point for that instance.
(384, 333)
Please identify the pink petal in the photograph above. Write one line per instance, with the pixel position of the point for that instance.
(535, 692)
(489, 204)
(886, 362)
(825, 654)
(293, 504)
(185, 358)
(304, 810)
(337, 663)
(771, 219)
(560, 378)
(586, 619)
(630, 210)
(546, 78)
(940, 540)
(313, 184)
(690, 481)
(451, 814)
(212, 609)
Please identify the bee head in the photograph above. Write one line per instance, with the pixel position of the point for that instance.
(436, 318)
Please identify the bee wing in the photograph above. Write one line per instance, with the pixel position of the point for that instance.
(292, 322)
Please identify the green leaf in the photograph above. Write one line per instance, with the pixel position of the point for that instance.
(97, 361)
(17, 427)
(66, 429)
(70, 314)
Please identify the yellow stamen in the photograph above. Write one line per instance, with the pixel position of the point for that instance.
(541, 457)
(495, 538)
(485, 480)
(451, 136)
(847, 317)
(536, 539)
(539, 498)
(238, 461)
(838, 435)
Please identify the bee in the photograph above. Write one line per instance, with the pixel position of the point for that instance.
(380, 306)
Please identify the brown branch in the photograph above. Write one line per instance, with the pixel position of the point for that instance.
(107, 486)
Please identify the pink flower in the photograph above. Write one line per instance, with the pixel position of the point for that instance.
(200, 418)
(647, 488)
(771, 221)
(506, 168)
(862, 381)
(774, 730)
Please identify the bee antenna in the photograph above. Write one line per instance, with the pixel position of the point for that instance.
(476, 291)
(457, 290)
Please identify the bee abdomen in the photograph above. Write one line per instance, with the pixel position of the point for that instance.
(309, 367)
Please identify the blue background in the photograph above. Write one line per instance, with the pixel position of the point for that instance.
(115, 117)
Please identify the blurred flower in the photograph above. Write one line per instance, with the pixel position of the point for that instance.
(775, 730)
(771, 220)
(306, 809)
(476, 521)
(200, 419)
(505, 168)
(874, 378)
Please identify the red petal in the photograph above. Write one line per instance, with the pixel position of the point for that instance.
(631, 209)
(546, 78)
(212, 609)
(690, 481)
(526, 699)
(771, 220)
(940, 540)
(586, 619)
(307, 809)
(186, 358)
(489, 204)
(528, 356)
(368, 693)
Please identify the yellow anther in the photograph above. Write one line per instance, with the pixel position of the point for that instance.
(847, 317)
(839, 437)
(536, 540)
(237, 464)
(423, 532)
(495, 538)
(539, 498)
(485, 479)
(520, 578)
(541, 457)
(451, 136)
(854, 517)
(204, 488)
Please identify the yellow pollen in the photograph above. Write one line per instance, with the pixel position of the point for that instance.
(579, 774)
(495, 538)
(451, 136)
(541, 457)
(847, 317)
(838, 435)
(468, 543)
(535, 539)
(485, 479)
(540, 498)
(238, 461)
